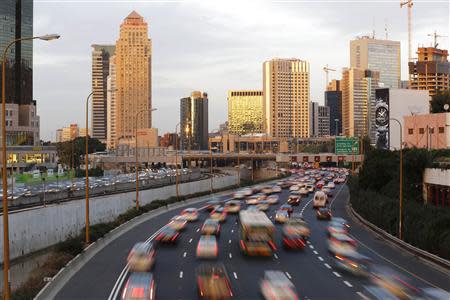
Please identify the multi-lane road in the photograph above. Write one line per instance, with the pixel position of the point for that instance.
(311, 270)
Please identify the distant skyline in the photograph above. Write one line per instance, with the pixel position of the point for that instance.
(213, 46)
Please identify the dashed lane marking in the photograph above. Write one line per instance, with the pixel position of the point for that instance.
(198, 229)
(308, 242)
(337, 274)
(320, 258)
(232, 230)
(327, 265)
(181, 274)
(311, 246)
(229, 241)
(190, 241)
(184, 254)
(235, 275)
(288, 275)
(315, 252)
(348, 283)
(275, 255)
(361, 295)
(230, 255)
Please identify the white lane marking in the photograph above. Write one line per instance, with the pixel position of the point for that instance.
(308, 242)
(306, 205)
(327, 265)
(235, 275)
(361, 295)
(311, 246)
(230, 255)
(232, 230)
(288, 275)
(275, 255)
(198, 229)
(181, 274)
(190, 241)
(320, 258)
(337, 194)
(348, 283)
(229, 241)
(315, 252)
(337, 274)
(184, 254)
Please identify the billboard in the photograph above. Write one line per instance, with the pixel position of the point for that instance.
(382, 118)
(346, 145)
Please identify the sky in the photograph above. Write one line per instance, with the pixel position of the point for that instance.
(212, 46)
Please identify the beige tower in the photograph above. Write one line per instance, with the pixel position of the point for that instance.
(133, 78)
(286, 98)
(111, 105)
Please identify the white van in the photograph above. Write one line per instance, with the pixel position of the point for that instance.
(320, 199)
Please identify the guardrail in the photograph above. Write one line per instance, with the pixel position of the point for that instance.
(441, 262)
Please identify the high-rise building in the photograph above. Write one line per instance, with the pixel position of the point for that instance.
(59, 135)
(16, 21)
(286, 98)
(100, 70)
(133, 78)
(69, 133)
(333, 99)
(377, 55)
(111, 105)
(358, 102)
(319, 118)
(245, 112)
(194, 121)
(431, 71)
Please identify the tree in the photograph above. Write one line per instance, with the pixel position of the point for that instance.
(75, 150)
(439, 100)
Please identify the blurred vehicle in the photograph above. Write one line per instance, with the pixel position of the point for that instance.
(141, 257)
(256, 233)
(319, 200)
(310, 188)
(261, 196)
(304, 191)
(267, 190)
(276, 189)
(320, 184)
(341, 243)
(331, 185)
(294, 188)
(207, 247)
(276, 286)
(336, 228)
(140, 285)
(433, 294)
(219, 214)
(252, 200)
(263, 205)
(247, 192)
(257, 189)
(212, 204)
(323, 213)
(211, 226)
(167, 235)
(294, 200)
(394, 283)
(238, 195)
(178, 222)
(232, 206)
(292, 238)
(272, 199)
(287, 207)
(299, 225)
(328, 192)
(341, 221)
(353, 262)
(281, 216)
(190, 213)
(213, 282)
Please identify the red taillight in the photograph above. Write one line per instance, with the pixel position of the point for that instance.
(272, 245)
(138, 292)
(243, 245)
(159, 237)
(200, 285)
(175, 237)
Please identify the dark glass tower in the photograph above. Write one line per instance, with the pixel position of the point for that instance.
(194, 122)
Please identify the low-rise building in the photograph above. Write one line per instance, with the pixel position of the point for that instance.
(251, 143)
(431, 131)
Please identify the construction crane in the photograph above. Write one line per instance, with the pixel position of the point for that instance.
(436, 36)
(409, 4)
(327, 70)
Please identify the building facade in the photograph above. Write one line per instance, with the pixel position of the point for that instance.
(431, 71)
(111, 105)
(382, 56)
(251, 143)
(194, 121)
(319, 120)
(245, 112)
(358, 102)
(100, 70)
(333, 99)
(430, 131)
(133, 78)
(286, 93)
(170, 140)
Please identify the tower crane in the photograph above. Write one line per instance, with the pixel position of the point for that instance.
(326, 69)
(409, 4)
(436, 36)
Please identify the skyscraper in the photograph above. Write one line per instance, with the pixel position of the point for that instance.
(319, 120)
(377, 55)
(133, 78)
(111, 105)
(245, 112)
(358, 102)
(100, 71)
(431, 71)
(333, 99)
(194, 121)
(286, 97)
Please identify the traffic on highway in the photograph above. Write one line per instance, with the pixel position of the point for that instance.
(291, 239)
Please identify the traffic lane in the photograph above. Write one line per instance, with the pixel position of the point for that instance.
(382, 252)
(96, 278)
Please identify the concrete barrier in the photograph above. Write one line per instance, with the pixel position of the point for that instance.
(38, 228)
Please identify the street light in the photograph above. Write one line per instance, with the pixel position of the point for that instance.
(86, 164)
(136, 152)
(48, 37)
(176, 158)
(400, 220)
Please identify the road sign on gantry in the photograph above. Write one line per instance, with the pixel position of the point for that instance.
(346, 145)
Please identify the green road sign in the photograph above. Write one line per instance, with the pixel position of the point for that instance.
(344, 145)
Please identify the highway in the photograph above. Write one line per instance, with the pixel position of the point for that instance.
(312, 270)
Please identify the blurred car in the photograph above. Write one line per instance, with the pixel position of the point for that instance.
(304, 191)
(292, 238)
(213, 282)
(276, 189)
(167, 235)
(252, 200)
(310, 188)
(353, 262)
(247, 192)
(212, 204)
(140, 285)
(331, 185)
(263, 205)
(294, 188)
(323, 213)
(211, 226)
(238, 195)
(178, 223)
(276, 286)
(232, 206)
(319, 184)
(272, 199)
(207, 247)
(287, 207)
(141, 257)
(219, 214)
(341, 221)
(394, 283)
(281, 216)
(299, 225)
(190, 213)
(261, 196)
(341, 243)
(294, 200)
(267, 190)
(433, 294)
(336, 228)
(328, 192)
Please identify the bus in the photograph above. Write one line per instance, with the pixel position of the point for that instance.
(256, 233)
(320, 199)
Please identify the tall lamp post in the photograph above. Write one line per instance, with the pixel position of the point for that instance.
(400, 220)
(176, 159)
(86, 167)
(136, 151)
(6, 290)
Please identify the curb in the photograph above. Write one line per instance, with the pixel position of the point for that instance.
(424, 255)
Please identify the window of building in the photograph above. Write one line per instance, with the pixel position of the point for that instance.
(410, 131)
(421, 130)
(441, 129)
(431, 130)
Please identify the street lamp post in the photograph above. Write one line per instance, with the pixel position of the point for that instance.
(400, 220)
(239, 162)
(176, 160)
(336, 129)
(86, 164)
(6, 289)
(136, 152)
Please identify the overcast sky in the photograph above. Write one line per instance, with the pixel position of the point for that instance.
(212, 46)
